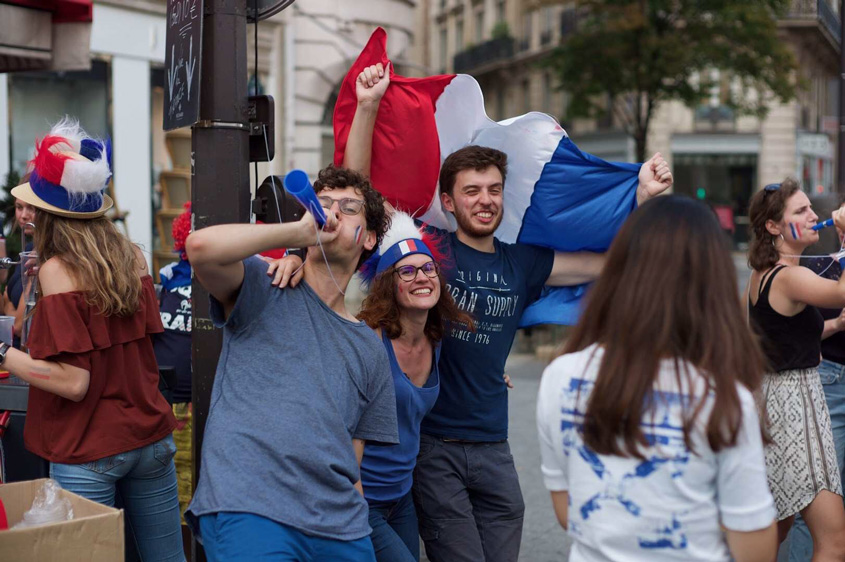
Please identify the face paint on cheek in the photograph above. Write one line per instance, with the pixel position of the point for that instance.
(792, 229)
(358, 231)
(798, 228)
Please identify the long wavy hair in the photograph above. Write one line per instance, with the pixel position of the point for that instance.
(98, 257)
(667, 291)
(380, 310)
(767, 204)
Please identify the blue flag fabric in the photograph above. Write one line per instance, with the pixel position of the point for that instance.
(578, 204)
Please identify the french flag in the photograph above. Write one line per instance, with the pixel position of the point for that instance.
(407, 246)
(555, 195)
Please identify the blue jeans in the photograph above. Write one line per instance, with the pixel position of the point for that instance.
(145, 479)
(833, 378)
(236, 537)
(395, 535)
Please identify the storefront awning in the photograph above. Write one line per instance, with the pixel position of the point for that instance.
(45, 35)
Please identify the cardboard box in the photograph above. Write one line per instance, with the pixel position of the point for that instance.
(94, 533)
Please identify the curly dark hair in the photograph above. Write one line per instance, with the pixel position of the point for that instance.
(471, 157)
(767, 204)
(380, 310)
(336, 177)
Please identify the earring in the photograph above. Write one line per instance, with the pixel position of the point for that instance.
(775, 238)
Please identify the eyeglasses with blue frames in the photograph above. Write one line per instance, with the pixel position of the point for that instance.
(347, 205)
(409, 272)
(772, 187)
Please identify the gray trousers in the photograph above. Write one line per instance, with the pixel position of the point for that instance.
(468, 501)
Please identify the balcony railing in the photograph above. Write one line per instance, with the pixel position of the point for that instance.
(483, 54)
(820, 10)
(714, 118)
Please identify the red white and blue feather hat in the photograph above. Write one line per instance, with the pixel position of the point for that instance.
(69, 174)
(401, 240)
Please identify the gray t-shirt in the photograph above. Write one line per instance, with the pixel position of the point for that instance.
(295, 384)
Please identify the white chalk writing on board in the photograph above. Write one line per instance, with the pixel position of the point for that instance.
(184, 20)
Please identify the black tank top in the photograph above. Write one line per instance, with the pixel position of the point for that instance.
(789, 342)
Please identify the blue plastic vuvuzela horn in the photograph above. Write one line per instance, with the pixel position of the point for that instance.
(297, 184)
(825, 224)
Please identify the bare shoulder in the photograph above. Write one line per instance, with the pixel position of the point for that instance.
(141, 260)
(54, 277)
(801, 286)
(799, 274)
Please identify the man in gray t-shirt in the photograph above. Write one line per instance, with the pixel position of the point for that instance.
(300, 386)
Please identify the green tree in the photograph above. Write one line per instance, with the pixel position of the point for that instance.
(627, 57)
(501, 30)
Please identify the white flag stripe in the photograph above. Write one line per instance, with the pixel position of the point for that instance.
(529, 140)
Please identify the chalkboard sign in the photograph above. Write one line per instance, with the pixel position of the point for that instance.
(182, 63)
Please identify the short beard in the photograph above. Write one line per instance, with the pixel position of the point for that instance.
(467, 226)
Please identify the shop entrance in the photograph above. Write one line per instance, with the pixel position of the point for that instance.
(723, 181)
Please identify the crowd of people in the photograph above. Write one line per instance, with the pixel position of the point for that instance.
(679, 423)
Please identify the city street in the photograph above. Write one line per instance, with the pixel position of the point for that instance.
(543, 539)
(742, 271)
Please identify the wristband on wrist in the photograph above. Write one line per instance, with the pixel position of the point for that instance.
(299, 252)
(4, 348)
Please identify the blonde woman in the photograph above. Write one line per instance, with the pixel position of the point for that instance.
(95, 411)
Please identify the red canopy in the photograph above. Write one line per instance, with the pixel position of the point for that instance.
(64, 11)
(45, 34)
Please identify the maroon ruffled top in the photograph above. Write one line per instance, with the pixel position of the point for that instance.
(123, 408)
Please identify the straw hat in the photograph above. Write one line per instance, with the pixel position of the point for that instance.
(69, 174)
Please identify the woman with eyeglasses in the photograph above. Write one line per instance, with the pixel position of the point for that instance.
(409, 307)
(783, 299)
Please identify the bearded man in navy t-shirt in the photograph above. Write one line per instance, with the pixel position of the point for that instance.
(466, 488)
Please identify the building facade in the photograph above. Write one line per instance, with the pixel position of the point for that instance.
(120, 97)
(303, 54)
(716, 155)
(327, 36)
(305, 51)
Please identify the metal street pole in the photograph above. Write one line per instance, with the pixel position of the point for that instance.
(840, 164)
(220, 181)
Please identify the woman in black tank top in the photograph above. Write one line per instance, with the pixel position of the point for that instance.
(782, 299)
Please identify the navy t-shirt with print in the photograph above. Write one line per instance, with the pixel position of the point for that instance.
(494, 288)
(173, 346)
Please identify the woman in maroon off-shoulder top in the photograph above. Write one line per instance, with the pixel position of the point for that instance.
(95, 411)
